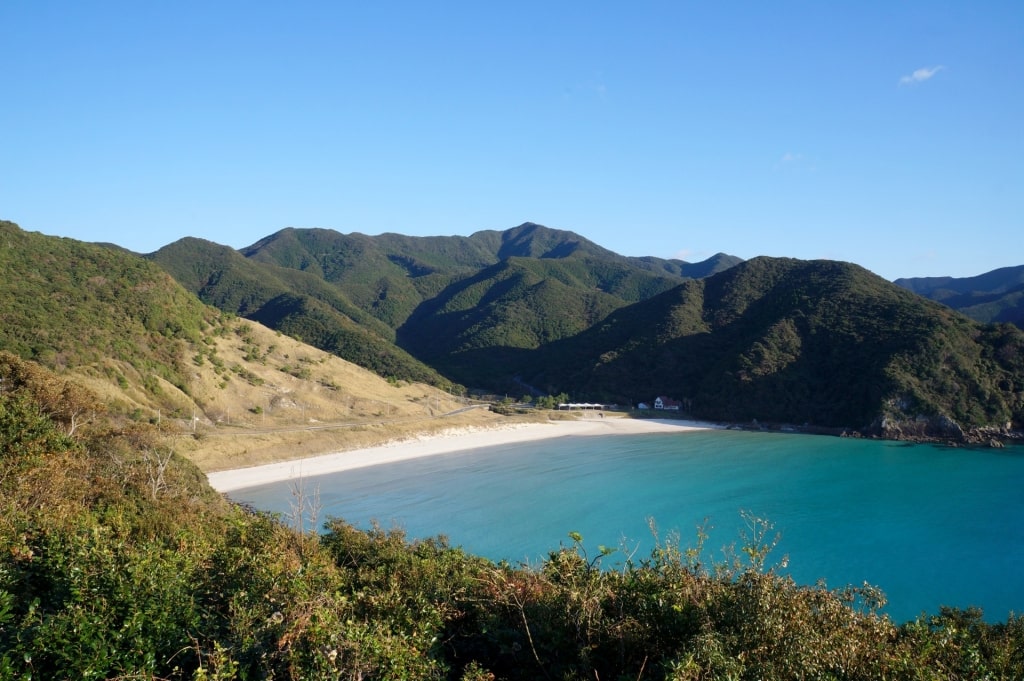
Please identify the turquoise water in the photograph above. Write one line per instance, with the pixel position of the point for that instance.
(930, 525)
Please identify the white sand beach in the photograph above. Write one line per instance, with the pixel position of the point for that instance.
(443, 443)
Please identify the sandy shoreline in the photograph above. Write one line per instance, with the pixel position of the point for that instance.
(443, 443)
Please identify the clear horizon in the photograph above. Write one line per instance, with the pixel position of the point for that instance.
(884, 135)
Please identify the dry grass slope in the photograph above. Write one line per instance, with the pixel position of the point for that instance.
(257, 396)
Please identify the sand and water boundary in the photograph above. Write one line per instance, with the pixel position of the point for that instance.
(445, 442)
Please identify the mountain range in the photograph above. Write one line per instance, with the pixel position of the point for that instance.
(380, 301)
(533, 311)
(996, 296)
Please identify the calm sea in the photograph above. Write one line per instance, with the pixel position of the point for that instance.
(929, 525)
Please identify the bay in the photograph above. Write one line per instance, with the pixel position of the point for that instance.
(930, 525)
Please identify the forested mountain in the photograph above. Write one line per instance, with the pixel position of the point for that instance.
(293, 301)
(818, 343)
(438, 298)
(821, 342)
(779, 340)
(996, 296)
(390, 275)
(469, 327)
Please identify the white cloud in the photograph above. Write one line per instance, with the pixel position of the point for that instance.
(920, 75)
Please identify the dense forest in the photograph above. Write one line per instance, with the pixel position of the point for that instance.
(119, 562)
(535, 311)
(996, 296)
(817, 345)
(425, 297)
(803, 342)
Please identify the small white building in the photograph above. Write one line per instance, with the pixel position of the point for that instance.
(580, 405)
(667, 404)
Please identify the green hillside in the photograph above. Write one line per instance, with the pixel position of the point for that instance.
(822, 343)
(67, 303)
(390, 276)
(293, 301)
(386, 276)
(457, 304)
(996, 296)
(468, 328)
(222, 277)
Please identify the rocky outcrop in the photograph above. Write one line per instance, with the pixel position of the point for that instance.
(938, 428)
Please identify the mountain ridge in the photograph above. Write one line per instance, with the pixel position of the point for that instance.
(821, 343)
(816, 342)
(995, 296)
(400, 281)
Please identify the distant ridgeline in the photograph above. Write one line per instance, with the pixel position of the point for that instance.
(996, 296)
(819, 343)
(546, 312)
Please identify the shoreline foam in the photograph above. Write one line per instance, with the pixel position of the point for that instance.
(456, 440)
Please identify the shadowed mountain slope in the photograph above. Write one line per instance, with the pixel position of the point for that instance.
(996, 296)
(823, 343)
(436, 296)
(518, 303)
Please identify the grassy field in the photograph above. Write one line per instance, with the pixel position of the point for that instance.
(256, 396)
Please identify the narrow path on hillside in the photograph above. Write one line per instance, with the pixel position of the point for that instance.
(231, 429)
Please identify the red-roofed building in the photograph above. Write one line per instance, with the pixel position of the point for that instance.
(667, 404)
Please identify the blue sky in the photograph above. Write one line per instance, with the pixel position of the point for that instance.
(890, 134)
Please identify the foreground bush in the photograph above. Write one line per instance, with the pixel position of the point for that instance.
(118, 562)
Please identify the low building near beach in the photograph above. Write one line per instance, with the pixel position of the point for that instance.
(580, 405)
